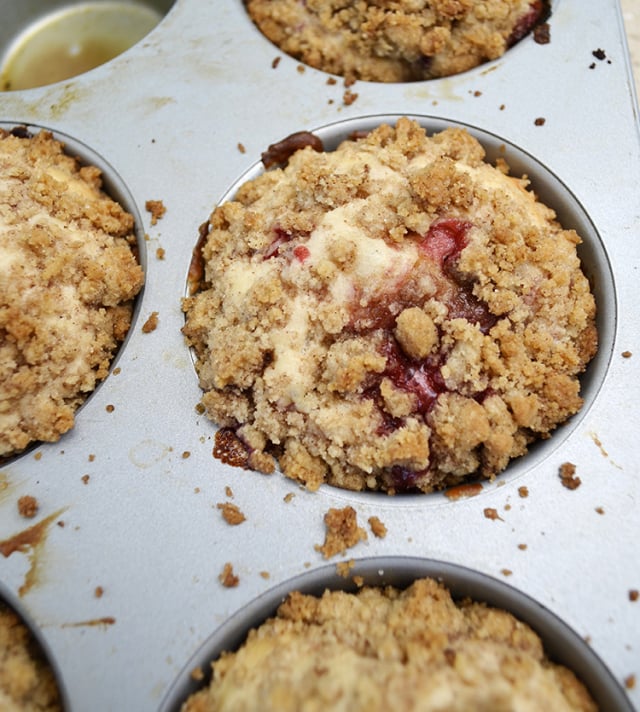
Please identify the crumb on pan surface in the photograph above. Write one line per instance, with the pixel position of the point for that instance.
(27, 683)
(403, 40)
(384, 649)
(68, 275)
(394, 315)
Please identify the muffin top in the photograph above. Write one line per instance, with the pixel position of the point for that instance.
(382, 649)
(396, 41)
(68, 276)
(397, 314)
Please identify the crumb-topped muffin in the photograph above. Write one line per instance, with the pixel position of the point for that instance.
(383, 649)
(396, 41)
(27, 683)
(67, 280)
(397, 314)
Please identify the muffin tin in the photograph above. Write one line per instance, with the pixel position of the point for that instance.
(122, 577)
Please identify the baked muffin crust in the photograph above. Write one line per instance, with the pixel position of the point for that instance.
(397, 314)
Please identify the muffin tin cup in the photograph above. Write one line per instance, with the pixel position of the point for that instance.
(561, 644)
(128, 498)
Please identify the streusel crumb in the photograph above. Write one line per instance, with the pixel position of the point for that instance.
(67, 280)
(393, 315)
(387, 649)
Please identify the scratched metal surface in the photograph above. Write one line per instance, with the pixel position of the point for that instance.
(166, 118)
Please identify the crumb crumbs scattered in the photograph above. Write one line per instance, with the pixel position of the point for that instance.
(157, 210)
(491, 513)
(196, 490)
(600, 510)
(91, 458)
(332, 81)
(627, 354)
(151, 324)
(301, 69)
(197, 674)
(349, 97)
(37, 456)
(288, 497)
(359, 581)
(28, 506)
(227, 578)
(186, 455)
(377, 527)
(110, 408)
(231, 513)
(342, 532)
(265, 574)
(506, 572)
(507, 507)
(599, 54)
(630, 682)
(228, 491)
(523, 492)
(60, 524)
(98, 592)
(634, 595)
(241, 148)
(85, 479)
(343, 569)
(502, 107)
(568, 476)
(522, 547)
(275, 63)
(477, 93)
(160, 253)
(540, 121)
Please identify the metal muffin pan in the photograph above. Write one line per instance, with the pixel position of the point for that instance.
(180, 117)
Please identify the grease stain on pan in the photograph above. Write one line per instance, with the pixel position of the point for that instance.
(31, 542)
(148, 453)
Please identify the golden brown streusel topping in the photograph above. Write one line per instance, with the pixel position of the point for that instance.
(397, 314)
(27, 683)
(67, 278)
(401, 40)
(386, 649)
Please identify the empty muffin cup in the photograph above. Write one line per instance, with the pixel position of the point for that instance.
(45, 42)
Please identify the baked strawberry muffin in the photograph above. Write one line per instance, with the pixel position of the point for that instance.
(398, 40)
(68, 278)
(397, 314)
(384, 648)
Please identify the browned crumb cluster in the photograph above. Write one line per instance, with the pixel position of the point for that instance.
(387, 649)
(28, 506)
(407, 40)
(157, 210)
(151, 324)
(27, 683)
(568, 476)
(231, 513)
(378, 527)
(397, 314)
(227, 577)
(67, 279)
(342, 532)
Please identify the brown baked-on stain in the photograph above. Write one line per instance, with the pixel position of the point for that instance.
(229, 449)
(29, 541)
(460, 491)
(94, 623)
